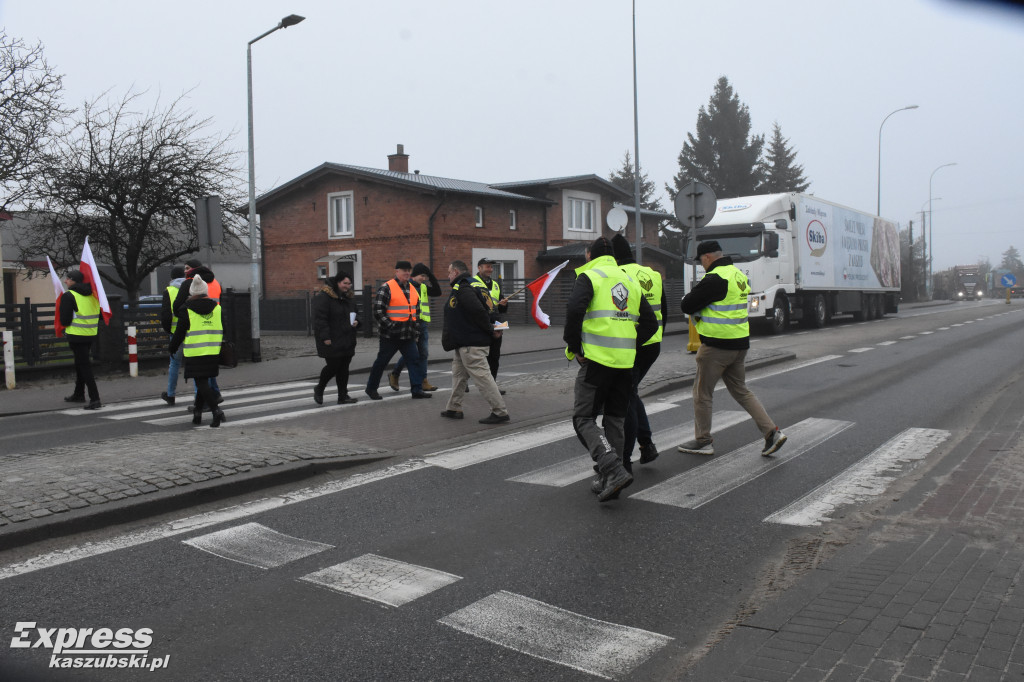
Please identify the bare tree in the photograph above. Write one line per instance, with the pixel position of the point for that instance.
(30, 107)
(129, 180)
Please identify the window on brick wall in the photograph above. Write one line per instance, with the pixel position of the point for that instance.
(512, 218)
(581, 215)
(340, 218)
(479, 212)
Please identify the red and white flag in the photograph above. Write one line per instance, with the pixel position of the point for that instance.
(92, 276)
(58, 291)
(537, 287)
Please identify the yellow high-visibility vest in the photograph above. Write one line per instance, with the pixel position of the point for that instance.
(727, 319)
(609, 325)
(649, 281)
(205, 334)
(86, 320)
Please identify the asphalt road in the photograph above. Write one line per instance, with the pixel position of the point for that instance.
(496, 562)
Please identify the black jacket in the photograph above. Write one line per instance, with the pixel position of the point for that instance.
(68, 306)
(710, 290)
(467, 319)
(200, 365)
(205, 273)
(167, 305)
(331, 321)
(579, 300)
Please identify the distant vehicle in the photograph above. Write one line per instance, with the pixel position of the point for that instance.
(146, 306)
(806, 258)
(967, 283)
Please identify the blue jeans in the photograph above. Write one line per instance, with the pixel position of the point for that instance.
(424, 349)
(637, 426)
(172, 371)
(388, 347)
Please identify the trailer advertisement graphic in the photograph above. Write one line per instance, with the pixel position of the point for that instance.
(846, 249)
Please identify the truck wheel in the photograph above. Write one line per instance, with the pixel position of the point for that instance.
(778, 320)
(819, 313)
(879, 306)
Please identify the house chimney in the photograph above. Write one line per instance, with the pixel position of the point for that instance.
(399, 161)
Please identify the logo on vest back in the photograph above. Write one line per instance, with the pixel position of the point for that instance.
(620, 296)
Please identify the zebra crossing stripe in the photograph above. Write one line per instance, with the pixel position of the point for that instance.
(696, 487)
(256, 545)
(570, 471)
(156, 402)
(679, 396)
(380, 579)
(188, 400)
(865, 479)
(552, 634)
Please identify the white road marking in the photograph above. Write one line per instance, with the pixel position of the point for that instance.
(867, 478)
(925, 333)
(180, 408)
(859, 350)
(199, 521)
(887, 343)
(320, 409)
(908, 338)
(679, 396)
(380, 579)
(957, 325)
(570, 471)
(942, 329)
(186, 398)
(696, 487)
(552, 634)
(256, 545)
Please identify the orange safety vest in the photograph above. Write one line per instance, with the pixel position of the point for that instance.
(213, 290)
(401, 308)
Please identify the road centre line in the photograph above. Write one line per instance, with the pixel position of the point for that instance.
(866, 479)
(204, 520)
(553, 634)
(859, 350)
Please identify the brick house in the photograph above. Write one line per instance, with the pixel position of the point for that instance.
(338, 217)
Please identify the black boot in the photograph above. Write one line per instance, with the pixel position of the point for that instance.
(218, 417)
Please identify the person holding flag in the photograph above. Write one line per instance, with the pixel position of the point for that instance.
(79, 315)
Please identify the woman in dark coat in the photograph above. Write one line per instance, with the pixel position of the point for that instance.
(334, 326)
(199, 368)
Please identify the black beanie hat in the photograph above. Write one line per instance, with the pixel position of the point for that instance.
(76, 276)
(708, 247)
(622, 250)
(600, 247)
(420, 269)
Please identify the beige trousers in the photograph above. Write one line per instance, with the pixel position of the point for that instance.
(714, 364)
(471, 361)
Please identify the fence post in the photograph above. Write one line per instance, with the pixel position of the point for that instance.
(133, 352)
(111, 337)
(29, 332)
(367, 321)
(9, 358)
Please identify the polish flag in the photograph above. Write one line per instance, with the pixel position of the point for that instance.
(92, 276)
(538, 287)
(58, 291)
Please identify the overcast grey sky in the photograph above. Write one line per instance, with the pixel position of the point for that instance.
(502, 91)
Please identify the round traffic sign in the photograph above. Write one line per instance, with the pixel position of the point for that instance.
(695, 205)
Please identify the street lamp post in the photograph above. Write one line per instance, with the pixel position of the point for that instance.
(931, 219)
(254, 279)
(878, 207)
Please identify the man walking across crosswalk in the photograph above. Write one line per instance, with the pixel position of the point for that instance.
(718, 304)
(606, 318)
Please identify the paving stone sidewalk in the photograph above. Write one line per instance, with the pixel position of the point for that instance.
(935, 593)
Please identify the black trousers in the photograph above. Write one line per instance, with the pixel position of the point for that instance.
(337, 368)
(493, 356)
(84, 378)
(206, 398)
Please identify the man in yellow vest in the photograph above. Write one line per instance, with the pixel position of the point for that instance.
(718, 305)
(499, 305)
(638, 427)
(80, 316)
(396, 311)
(427, 286)
(607, 317)
(169, 320)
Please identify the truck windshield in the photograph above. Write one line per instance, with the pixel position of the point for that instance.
(742, 243)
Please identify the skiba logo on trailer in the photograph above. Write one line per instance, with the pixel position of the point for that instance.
(817, 238)
(738, 206)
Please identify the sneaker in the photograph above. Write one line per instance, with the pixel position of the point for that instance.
(772, 442)
(427, 386)
(420, 395)
(697, 447)
(93, 405)
(495, 419)
(648, 453)
(74, 398)
(452, 414)
(169, 399)
(318, 395)
(372, 392)
(614, 483)
(393, 381)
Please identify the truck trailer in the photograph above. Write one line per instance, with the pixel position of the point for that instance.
(807, 259)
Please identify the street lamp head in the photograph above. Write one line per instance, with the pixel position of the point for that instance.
(291, 20)
(912, 106)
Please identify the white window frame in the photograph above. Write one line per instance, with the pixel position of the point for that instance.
(584, 206)
(348, 229)
(513, 219)
(479, 213)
